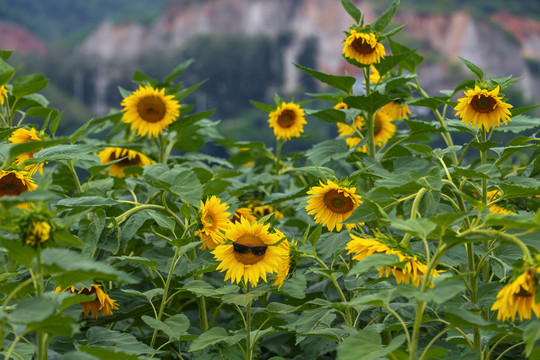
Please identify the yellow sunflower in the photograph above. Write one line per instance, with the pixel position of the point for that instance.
(364, 48)
(347, 130)
(384, 128)
(284, 268)
(518, 297)
(20, 136)
(262, 210)
(132, 158)
(102, 302)
(38, 232)
(149, 111)
(3, 94)
(481, 108)
(287, 121)
(396, 111)
(14, 183)
(341, 106)
(492, 197)
(413, 271)
(332, 204)
(374, 76)
(243, 212)
(214, 221)
(251, 255)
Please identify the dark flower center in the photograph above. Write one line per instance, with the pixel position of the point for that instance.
(483, 104)
(248, 258)
(362, 47)
(337, 202)
(523, 293)
(135, 161)
(151, 109)
(11, 185)
(286, 118)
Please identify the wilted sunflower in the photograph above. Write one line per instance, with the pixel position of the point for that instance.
(37, 233)
(21, 136)
(483, 109)
(518, 297)
(243, 212)
(396, 110)
(251, 255)
(332, 204)
(347, 130)
(14, 183)
(3, 94)
(363, 47)
(287, 121)
(132, 158)
(413, 271)
(214, 221)
(149, 111)
(102, 302)
(384, 128)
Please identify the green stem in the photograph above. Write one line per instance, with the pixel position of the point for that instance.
(420, 305)
(74, 175)
(279, 145)
(249, 349)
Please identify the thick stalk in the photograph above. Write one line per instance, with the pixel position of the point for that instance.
(370, 118)
(249, 348)
(420, 305)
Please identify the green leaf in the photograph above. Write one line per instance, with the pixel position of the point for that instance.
(419, 227)
(355, 13)
(179, 181)
(68, 152)
(315, 235)
(519, 124)
(483, 146)
(178, 70)
(31, 310)
(138, 259)
(213, 336)
(174, 326)
(531, 335)
(344, 83)
(28, 84)
(431, 103)
(375, 261)
(100, 337)
(55, 325)
(78, 355)
(326, 151)
(382, 21)
(475, 69)
(517, 186)
(366, 345)
(485, 171)
(141, 78)
(370, 103)
(105, 354)
(410, 60)
(395, 82)
(163, 220)
(330, 115)
(149, 295)
(263, 107)
(87, 201)
(521, 110)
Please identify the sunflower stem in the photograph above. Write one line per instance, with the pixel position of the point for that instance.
(420, 305)
(370, 119)
(279, 145)
(75, 177)
(483, 158)
(249, 348)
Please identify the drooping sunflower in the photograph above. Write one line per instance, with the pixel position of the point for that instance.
(518, 297)
(347, 130)
(482, 108)
(413, 271)
(132, 158)
(243, 212)
(363, 47)
(214, 221)
(101, 304)
(384, 128)
(3, 94)
(20, 136)
(251, 255)
(396, 110)
(287, 121)
(37, 233)
(14, 183)
(149, 111)
(332, 204)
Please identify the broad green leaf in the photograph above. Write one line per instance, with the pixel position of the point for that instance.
(396, 82)
(213, 336)
(517, 186)
(163, 220)
(315, 235)
(141, 78)
(460, 317)
(138, 259)
(366, 345)
(6, 72)
(263, 107)
(185, 92)
(68, 152)
(149, 295)
(330, 115)
(117, 341)
(17, 251)
(518, 221)
(329, 150)
(522, 110)
(87, 201)
(174, 326)
(382, 21)
(178, 70)
(344, 83)
(355, 13)
(485, 171)
(531, 335)
(379, 298)
(375, 261)
(32, 310)
(32, 146)
(178, 181)
(410, 59)
(369, 103)
(483, 146)
(79, 355)
(519, 124)
(431, 103)
(475, 69)
(106, 353)
(55, 325)
(419, 227)
(28, 84)
(431, 180)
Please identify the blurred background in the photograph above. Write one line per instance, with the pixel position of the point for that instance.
(245, 48)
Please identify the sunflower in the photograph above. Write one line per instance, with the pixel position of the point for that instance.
(149, 111)
(284, 268)
(14, 183)
(518, 297)
(21, 136)
(384, 128)
(38, 232)
(214, 221)
(132, 158)
(101, 303)
(482, 108)
(374, 76)
(341, 106)
(263, 210)
(363, 47)
(3, 94)
(332, 204)
(251, 255)
(413, 271)
(287, 121)
(243, 212)
(396, 111)
(492, 197)
(347, 130)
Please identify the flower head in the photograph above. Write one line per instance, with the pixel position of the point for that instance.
(252, 254)
(518, 297)
(214, 221)
(14, 183)
(3, 94)
(262, 210)
(243, 212)
(287, 121)
(21, 136)
(132, 158)
(384, 128)
(149, 111)
(494, 208)
(101, 303)
(413, 271)
(332, 204)
(37, 233)
(396, 111)
(348, 131)
(482, 108)
(363, 47)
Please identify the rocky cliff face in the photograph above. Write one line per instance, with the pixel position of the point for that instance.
(448, 35)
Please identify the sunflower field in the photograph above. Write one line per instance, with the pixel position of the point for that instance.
(124, 240)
